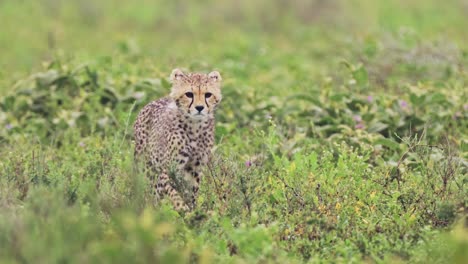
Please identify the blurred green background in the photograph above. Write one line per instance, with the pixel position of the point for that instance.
(342, 135)
(33, 31)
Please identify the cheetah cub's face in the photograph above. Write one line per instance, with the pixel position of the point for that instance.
(196, 94)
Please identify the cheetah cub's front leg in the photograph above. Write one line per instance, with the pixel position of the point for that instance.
(193, 177)
(164, 188)
(179, 129)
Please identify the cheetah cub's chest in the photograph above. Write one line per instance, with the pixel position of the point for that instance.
(179, 131)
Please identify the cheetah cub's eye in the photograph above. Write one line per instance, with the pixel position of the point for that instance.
(189, 94)
(208, 95)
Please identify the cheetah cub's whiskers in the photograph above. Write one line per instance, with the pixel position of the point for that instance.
(174, 136)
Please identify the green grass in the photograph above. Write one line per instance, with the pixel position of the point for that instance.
(341, 137)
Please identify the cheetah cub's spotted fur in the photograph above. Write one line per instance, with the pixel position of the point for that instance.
(174, 135)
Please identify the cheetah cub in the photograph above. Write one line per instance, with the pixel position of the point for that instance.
(174, 136)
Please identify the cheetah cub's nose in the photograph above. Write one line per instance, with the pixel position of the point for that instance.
(199, 108)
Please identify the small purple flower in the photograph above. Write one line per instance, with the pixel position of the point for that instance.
(457, 115)
(359, 122)
(403, 104)
(81, 144)
(465, 107)
(8, 126)
(248, 163)
(359, 126)
(370, 98)
(357, 118)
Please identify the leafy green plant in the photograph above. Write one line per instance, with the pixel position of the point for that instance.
(341, 136)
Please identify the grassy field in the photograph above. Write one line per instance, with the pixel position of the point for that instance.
(342, 135)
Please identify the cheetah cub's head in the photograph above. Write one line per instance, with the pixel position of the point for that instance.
(196, 94)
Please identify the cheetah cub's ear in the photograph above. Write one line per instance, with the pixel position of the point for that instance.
(215, 76)
(176, 75)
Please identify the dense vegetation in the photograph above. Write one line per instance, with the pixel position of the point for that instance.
(342, 135)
